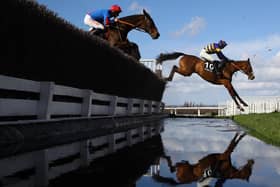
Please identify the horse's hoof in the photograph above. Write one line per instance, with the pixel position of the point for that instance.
(240, 108)
(250, 162)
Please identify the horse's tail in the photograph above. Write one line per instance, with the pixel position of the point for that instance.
(168, 56)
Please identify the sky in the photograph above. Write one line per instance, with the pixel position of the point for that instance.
(251, 28)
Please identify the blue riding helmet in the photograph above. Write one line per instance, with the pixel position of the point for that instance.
(222, 44)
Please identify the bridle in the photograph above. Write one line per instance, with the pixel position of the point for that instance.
(136, 27)
(239, 69)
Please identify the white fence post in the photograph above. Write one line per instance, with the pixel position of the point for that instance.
(129, 138)
(113, 105)
(157, 110)
(84, 153)
(112, 143)
(158, 70)
(86, 106)
(46, 96)
(141, 133)
(129, 106)
(142, 106)
(150, 107)
(41, 168)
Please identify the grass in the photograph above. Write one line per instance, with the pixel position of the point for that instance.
(263, 126)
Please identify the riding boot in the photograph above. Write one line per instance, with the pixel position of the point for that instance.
(220, 66)
(98, 32)
(219, 74)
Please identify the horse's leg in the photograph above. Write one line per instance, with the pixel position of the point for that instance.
(231, 91)
(179, 70)
(243, 102)
(171, 74)
(243, 173)
(235, 140)
(169, 163)
(133, 50)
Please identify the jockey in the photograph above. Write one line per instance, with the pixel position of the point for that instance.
(99, 19)
(215, 48)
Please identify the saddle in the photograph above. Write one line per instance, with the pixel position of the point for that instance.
(214, 66)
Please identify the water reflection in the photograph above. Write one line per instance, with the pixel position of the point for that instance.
(215, 165)
(193, 139)
(214, 148)
(122, 169)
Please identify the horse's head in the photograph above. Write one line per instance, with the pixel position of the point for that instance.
(185, 172)
(142, 22)
(245, 67)
(149, 26)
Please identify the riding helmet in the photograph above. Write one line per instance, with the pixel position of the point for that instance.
(116, 8)
(222, 43)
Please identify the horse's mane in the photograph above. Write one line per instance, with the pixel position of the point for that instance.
(131, 17)
(125, 18)
(238, 61)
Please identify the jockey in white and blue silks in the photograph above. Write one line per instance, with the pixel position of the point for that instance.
(98, 19)
(215, 48)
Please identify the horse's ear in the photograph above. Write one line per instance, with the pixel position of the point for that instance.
(144, 12)
(147, 14)
(248, 59)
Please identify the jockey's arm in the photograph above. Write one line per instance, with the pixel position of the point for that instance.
(222, 56)
(107, 21)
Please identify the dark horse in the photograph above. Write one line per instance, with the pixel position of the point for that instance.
(189, 64)
(117, 33)
(216, 165)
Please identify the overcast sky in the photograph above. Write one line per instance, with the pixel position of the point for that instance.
(251, 29)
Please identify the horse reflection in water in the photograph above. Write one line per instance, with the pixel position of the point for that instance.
(217, 165)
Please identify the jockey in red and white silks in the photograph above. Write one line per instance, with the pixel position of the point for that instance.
(98, 19)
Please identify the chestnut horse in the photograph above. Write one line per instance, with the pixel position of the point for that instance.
(216, 165)
(189, 64)
(117, 33)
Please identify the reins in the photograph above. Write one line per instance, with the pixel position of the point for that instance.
(127, 23)
(238, 68)
(132, 25)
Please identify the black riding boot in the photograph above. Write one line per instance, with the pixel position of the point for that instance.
(98, 32)
(220, 66)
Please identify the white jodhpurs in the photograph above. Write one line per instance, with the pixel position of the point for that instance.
(92, 23)
(206, 56)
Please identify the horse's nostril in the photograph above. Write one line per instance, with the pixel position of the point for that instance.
(157, 36)
(251, 77)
